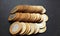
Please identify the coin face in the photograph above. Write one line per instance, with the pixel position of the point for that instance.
(32, 29)
(45, 17)
(23, 28)
(15, 28)
(42, 30)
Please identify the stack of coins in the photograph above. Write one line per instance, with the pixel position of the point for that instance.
(28, 19)
(23, 28)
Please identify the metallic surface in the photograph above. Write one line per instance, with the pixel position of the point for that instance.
(53, 12)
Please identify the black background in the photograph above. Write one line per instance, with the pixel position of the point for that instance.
(53, 11)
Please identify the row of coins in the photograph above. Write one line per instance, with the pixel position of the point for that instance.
(23, 28)
(29, 9)
(28, 17)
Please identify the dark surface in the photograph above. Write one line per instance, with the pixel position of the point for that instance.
(53, 11)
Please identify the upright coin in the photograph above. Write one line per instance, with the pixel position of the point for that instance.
(27, 29)
(38, 17)
(15, 28)
(42, 30)
(32, 29)
(23, 28)
(45, 17)
(17, 8)
(36, 28)
(13, 17)
(33, 17)
(43, 10)
(42, 24)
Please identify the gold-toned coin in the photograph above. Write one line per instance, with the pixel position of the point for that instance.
(29, 9)
(42, 30)
(23, 28)
(13, 17)
(36, 28)
(26, 16)
(32, 29)
(36, 9)
(45, 17)
(27, 29)
(42, 24)
(33, 17)
(18, 8)
(43, 10)
(15, 28)
(38, 17)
